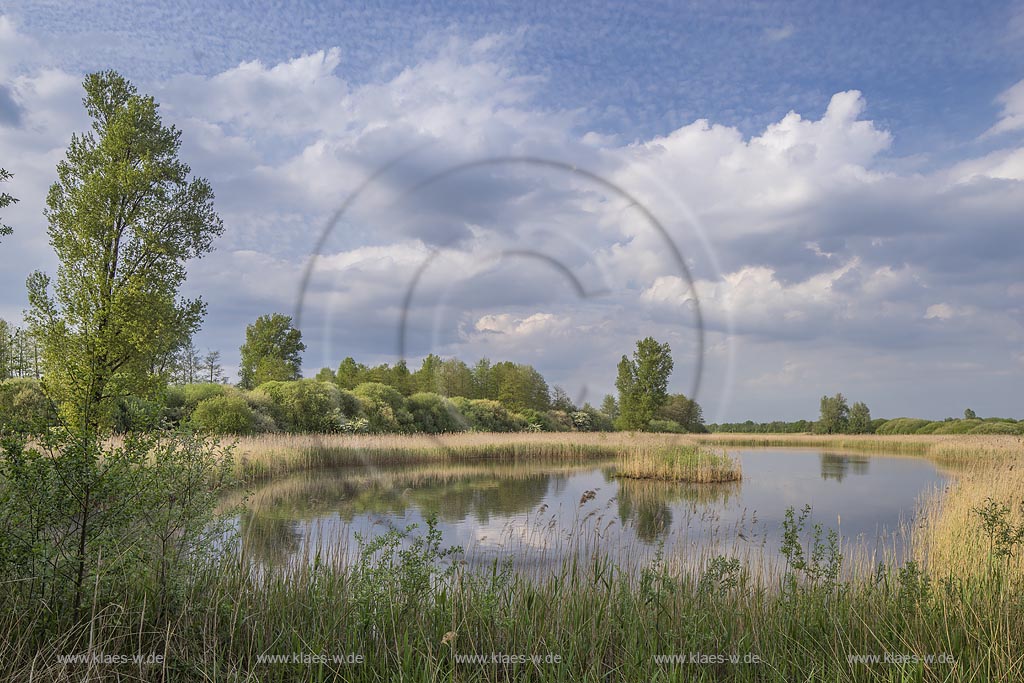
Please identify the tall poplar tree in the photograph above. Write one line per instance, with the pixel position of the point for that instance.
(124, 218)
(642, 382)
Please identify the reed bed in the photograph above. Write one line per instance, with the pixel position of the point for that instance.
(409, 610)
(274, 455)
(691, 463)
(945, 448)
(410, 620)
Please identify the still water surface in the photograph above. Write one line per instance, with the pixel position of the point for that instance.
(539, 514)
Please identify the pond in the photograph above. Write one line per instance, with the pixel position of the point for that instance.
(539, 514)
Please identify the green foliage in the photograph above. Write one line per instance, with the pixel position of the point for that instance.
(958, 427)
(229, 414)
(349, 404)
(19, 352)
(835, 415)
(669, 426)
(384, 408)
(721, 575)
(397, 572)
(193, 394)
(24, 407)
(434, 414)
(349, 374)
(860, 419)
(816, 563)
(559, 420)
(751, 427)
(998, 428)
(1003, 536)
(124, 219)
(5, 200)
(326, 375)
(685, 412)
(485, 415)
(516, 386)
(75, 518)
(537, 421)
(599, 421)
(930, 428)
(272, 351)
(901, 425)
(643, 383)
(304, 405)
(970, 414)
(610, 407)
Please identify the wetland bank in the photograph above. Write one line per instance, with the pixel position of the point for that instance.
(377, 522)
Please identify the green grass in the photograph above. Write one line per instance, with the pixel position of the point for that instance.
(404, 609)
(408, 611)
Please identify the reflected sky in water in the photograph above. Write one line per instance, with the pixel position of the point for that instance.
(540, 513)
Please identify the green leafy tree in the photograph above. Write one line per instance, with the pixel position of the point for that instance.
(560, 401)
(454, 378)
(483, 380)
(860, 419)
(520, 386)
(643, 383)
(426, 378)
(5, 201)
(835, 415)
(326, 375)
(124, 218)
(272, 351)
(350, 374)
(211, 368)
(610, 407)
(684, 411)
(970, 414)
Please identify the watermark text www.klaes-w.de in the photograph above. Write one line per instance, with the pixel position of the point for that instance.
(899, 658)
(505, 658)
(98, 658)
(311, 658)
(709, 658)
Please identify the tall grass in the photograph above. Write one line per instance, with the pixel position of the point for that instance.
(683, 462)
(408, 610)
(273, 455)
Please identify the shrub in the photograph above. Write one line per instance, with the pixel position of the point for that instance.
(902, 425)
(537, 421)
(268, 415)
(930, 428)
(599, 422)
(24, 406)
(484, 415)
(174, 405)
(305, 405)
(195, 393)
(228, 414)
(998, 428)
(133, 414)
(433, 413)
(670, 426)
(349, 403)
(384, 408)
(957, 426)
(560, 421)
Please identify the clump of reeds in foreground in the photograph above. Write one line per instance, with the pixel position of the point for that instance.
(679, 462)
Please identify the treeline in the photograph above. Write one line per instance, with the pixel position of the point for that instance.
(19, 352)
(837, 417)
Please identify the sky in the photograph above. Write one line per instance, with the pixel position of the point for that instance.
(800, 198)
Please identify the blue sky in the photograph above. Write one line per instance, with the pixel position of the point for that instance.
(843, 180)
